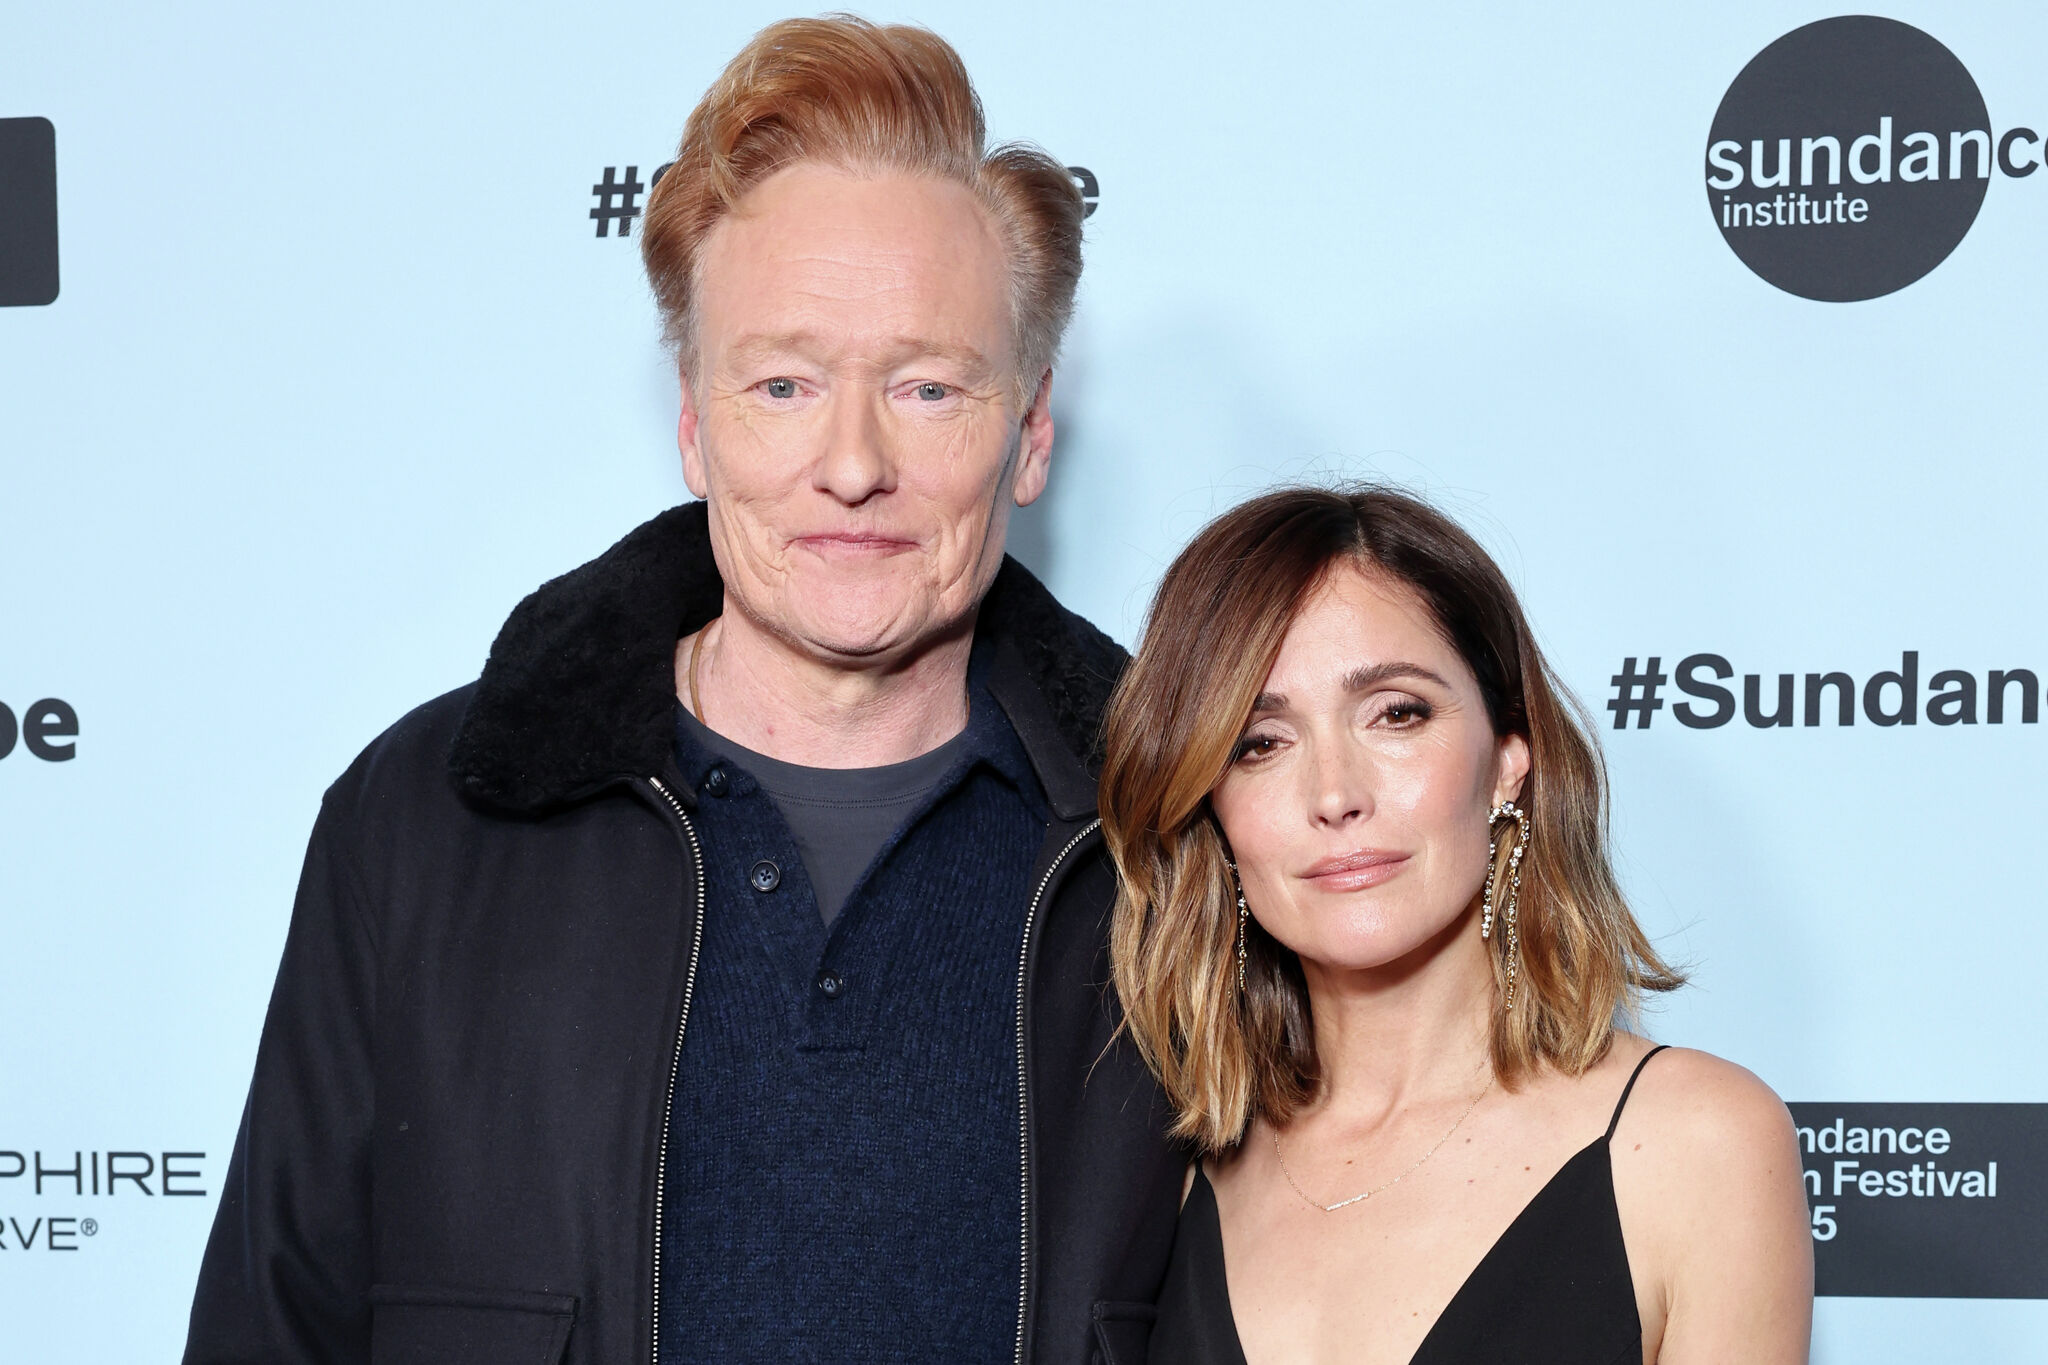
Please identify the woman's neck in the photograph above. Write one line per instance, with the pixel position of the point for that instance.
(1413, 1032)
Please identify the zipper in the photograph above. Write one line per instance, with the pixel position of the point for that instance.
(675, 1062)
(1024, 1090)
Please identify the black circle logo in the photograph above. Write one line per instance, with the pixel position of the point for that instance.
(1849, 158)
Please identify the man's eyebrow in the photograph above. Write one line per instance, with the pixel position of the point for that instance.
(752, 345)
(1361, 679)
(959, 353)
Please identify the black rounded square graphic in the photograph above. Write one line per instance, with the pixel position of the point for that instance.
(28, 212)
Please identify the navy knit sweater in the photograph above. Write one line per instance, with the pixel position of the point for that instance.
(843, 1155)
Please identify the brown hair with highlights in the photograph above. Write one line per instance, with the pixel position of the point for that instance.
(865, 98)
(1223, 1055)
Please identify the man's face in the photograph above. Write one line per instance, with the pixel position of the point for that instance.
(854, 418)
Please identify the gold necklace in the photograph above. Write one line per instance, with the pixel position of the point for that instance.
(1360, 1198)
(696, 652)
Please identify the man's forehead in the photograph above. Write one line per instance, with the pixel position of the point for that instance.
(816, 256)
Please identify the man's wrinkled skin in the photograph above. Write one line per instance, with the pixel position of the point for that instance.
(854, 415)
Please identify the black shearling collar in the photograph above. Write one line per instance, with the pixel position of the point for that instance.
(579, 689)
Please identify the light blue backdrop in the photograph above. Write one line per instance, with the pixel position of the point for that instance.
(339, 372)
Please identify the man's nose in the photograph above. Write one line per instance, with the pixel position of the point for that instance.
(856, 462)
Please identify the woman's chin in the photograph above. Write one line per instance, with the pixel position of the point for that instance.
(1390, 949)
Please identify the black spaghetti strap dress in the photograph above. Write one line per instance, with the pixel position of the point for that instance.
(1554, 1290)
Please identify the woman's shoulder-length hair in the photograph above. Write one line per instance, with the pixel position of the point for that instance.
(1223, 1054)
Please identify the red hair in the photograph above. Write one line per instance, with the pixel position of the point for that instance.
(866, 98)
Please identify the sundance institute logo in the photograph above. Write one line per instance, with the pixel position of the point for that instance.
(1850, 156)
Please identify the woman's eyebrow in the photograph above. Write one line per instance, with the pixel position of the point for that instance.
(1369, 676)
(1364, 678)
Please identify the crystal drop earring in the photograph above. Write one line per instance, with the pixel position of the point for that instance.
(1506, 810)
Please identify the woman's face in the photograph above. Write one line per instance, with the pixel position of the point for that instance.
(1356, 804)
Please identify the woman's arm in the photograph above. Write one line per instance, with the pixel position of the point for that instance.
(1713, 1208)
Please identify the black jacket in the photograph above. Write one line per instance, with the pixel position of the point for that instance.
(452, 1149)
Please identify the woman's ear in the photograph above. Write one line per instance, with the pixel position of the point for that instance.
(1514, 769)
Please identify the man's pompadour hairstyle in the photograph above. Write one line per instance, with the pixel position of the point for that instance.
(867, 98)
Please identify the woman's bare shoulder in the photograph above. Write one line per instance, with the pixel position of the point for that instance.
(1712, 1200)
(1693, 1107)
(1706, 1161)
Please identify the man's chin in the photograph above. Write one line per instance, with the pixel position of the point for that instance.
(857, 610)
(858, 637)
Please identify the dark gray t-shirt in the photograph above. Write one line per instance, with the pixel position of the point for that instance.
(839, 817)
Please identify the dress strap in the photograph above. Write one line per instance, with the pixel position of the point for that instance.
(1622, 1103)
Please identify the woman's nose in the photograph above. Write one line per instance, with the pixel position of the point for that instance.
(1342, 792)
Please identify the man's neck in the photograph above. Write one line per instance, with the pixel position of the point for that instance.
(764, 694)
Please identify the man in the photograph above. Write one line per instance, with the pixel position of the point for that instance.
(720, 977)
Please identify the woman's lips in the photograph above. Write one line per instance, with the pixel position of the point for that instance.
(1354, 871)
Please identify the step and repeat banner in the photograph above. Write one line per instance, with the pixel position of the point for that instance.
(323, 340)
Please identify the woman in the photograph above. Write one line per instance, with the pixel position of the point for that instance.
(1371, 944)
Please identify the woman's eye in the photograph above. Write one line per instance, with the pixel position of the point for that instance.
(1254, 747)
(780, 388)
(1404, 713)
(931, 391)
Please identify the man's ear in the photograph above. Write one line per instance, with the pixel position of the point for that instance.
(686, 442)
(1034, 446)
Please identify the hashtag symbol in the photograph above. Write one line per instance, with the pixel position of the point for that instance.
(1636, 692)
(625, 192)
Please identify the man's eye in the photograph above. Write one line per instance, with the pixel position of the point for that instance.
(780, 388)
(932, 392)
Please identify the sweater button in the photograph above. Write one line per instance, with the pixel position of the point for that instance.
(715, 782)
(766, 876)
(830, 985)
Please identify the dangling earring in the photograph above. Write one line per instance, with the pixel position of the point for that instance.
(1243, 913)
(1506, 810)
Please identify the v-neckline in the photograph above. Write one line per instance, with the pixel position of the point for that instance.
(1598, 1144)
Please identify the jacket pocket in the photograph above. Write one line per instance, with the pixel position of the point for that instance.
(1123, 1332)
(428, 1325)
